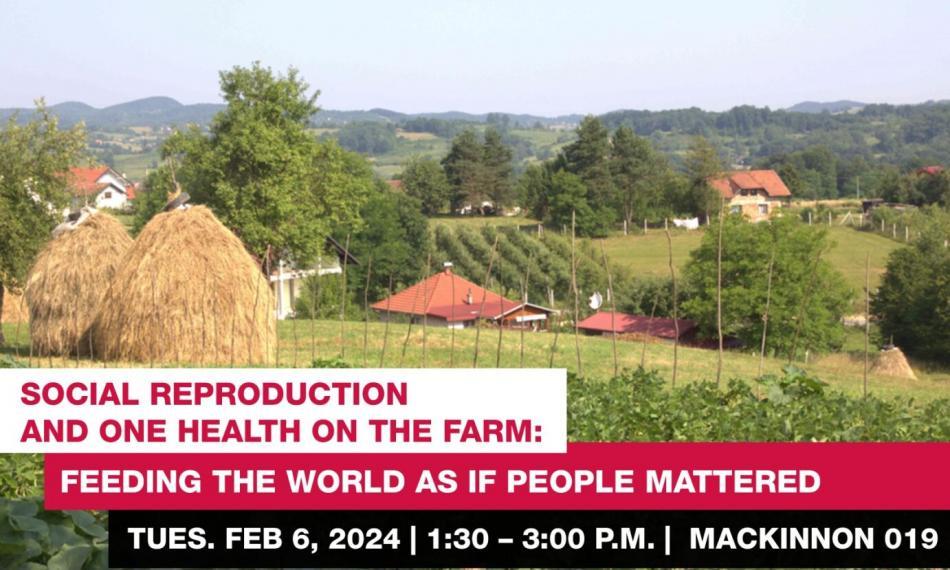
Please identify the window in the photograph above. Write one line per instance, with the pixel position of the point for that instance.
(763, 208)
(735, 209)
(106, 195)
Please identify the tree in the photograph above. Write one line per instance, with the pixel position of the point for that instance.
(34, 160)
(589, 158)
(464, 169)
(152, 197)
(261, 171)
(567, 195)
(367, 137)
(424, 179)
(396, 236)
(806, 290)
(533, 190)
(638, 173)
(496, 157)
(702, 164)
(913, 302)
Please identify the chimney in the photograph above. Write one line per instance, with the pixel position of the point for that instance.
(468, 297)
(447, 266)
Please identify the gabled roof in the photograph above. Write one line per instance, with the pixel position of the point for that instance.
(434, 297)
(84, 181)
(627, 323)
(767, 180)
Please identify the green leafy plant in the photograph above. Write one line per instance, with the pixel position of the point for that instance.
(32, 538)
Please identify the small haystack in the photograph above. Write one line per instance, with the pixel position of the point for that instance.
(69, 278)
(892, 362)
(187, 292)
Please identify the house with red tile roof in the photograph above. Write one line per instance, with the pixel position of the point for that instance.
(101, 187)
(447, 299)
(607, 322)
(756, 194)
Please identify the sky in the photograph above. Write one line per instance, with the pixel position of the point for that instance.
(543, 57)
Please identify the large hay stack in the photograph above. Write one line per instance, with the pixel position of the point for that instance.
(187, 292)
(892, 362)
(68, 279)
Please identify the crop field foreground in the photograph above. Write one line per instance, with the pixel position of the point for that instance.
(303, 341)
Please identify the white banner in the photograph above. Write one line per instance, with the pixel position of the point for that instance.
(249, 410)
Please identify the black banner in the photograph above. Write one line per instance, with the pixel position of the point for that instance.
(274, 539)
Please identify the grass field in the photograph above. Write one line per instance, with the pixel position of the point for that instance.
(134, 165)
(647, 254)
(300, 342)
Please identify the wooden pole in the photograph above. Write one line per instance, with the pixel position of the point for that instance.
(389, 296)
(765, 315)
(405, 342)
(478, 317)
(577, 340)
(19, 322)
(613, 307)
(804, 304)
(719, 297)
(524, 303)
(267, 272)
(314, 293)
(676, 323)
(250, 340)
(369, 274)
(425, 312)
(346, 252)
(867, 319)
(643, 351)
(293, 325)
(452, 324)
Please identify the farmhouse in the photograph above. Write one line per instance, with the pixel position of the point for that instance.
(756, 194)
(606, 323)
(448, 300)
(101, 186)
(287, 281)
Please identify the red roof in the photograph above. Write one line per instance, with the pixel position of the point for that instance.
(767, 180)
(397, 184)
(931, 170)
(434, 297)
(626, 323)
(130, 191)
(85, 181)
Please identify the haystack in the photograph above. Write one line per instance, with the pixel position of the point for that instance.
(892, 362)
(68, 280)
(187, 292)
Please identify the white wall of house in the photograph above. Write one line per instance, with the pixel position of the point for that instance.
(112, 198)
(288, 284)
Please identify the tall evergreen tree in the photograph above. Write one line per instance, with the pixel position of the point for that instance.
(589, 158)
(497, 156)
(638, 173)
(465, 170)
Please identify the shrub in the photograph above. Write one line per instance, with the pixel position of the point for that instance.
(636, 406)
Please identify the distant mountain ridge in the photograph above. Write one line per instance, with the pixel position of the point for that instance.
(842, 106)
(166, 111)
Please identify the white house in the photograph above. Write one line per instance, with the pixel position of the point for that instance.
(101, 187)
(288, 281)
